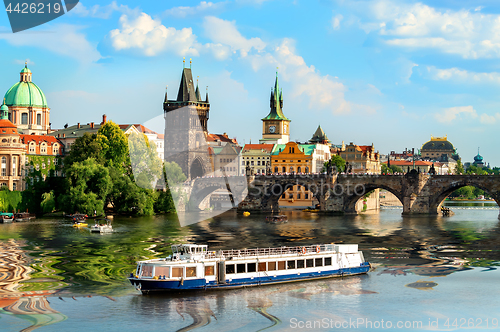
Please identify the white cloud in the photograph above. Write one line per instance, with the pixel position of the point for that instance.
(489, 119)
(22, 62)
(321, 91)
(467, 33)
(460, 75)
(450, 114)
(149, 37)
(183, 11)
(336, 21)
(99, 11)
(62, 39)
(226, 33)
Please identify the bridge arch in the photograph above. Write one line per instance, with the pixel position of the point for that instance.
(437, 199)
(351, 200)
(196, 170)
(274, 189)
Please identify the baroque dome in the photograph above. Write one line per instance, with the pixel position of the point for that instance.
(25, 93)
(438, 143)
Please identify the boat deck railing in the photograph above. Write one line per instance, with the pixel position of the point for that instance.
(318, 248)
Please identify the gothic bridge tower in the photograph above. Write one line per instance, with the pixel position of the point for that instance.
(276, 126)
(186, 120)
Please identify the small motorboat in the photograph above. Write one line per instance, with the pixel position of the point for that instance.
(246, 214)
(6, 217)
(102, 226)
(23, 216)
(277, 218)
(80, 224)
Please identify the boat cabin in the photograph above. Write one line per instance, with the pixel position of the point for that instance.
(189, 251)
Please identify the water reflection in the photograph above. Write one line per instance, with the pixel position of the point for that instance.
(48, 259)
(32, 306)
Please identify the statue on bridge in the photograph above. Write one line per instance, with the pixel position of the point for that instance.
(432, 170)
(248, 169)
(268, 168)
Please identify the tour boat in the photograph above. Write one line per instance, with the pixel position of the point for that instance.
(193, 267)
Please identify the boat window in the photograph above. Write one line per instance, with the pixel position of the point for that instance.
(281, 265)
(310, 262)
(162, 271)
(251, 267)
(147, 270)
(318, 262)
(300, 264)
(209, 270)
(138, 269)
(262, 267)
(290, 265)
(191, 271)
(177, 272)
(271, 266)
(328, 261)
(229, 268)
(240, 268)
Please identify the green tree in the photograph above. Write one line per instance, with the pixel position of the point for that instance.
(144, 160)
(84, 147)
(114, 144)
(174, 173)
(459, 168)
(89, 184)
(390, 170)
(338, 162)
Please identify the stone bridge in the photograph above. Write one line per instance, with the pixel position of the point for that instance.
(419, 193)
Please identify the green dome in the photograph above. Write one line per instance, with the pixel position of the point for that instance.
(25, 94)
(25, 70)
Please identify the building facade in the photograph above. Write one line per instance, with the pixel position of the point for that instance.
(257, 157)
(361, 158)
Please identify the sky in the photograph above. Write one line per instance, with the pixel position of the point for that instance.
(391, 73)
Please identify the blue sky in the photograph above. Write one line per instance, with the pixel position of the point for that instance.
(391, 73)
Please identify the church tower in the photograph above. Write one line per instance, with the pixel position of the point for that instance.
(275, 126)
(186, 119)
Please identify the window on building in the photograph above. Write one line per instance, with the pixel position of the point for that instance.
(299, 169)
(14, 160)
(39, 119)
(298, 196)
(32, 147)
(258, 163)
(14, 186)
(306, 196)
(43, 148)
(251, 163)
(307, 169)
(275, 169)
(4, 184)
(283, 169)
(24, 118)
(290, 196)
(4, 166)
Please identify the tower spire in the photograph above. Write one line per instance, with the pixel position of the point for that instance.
(166, 99)
(183, 62)
(206, 99)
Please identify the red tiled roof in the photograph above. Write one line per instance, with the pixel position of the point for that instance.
(222, 138)
(39, 138)
(4, 123)
(265, 147)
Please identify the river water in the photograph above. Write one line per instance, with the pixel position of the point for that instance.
(436, 273)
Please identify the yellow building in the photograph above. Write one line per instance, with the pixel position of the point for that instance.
(294, 158)
(361, 159)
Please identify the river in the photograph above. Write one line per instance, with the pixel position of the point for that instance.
(429, 273)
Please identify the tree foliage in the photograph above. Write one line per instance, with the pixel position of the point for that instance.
(459, 168)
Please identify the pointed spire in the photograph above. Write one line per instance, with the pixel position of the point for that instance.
(166, 99)
(206, 99)
(197, 92)
(276, 102)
